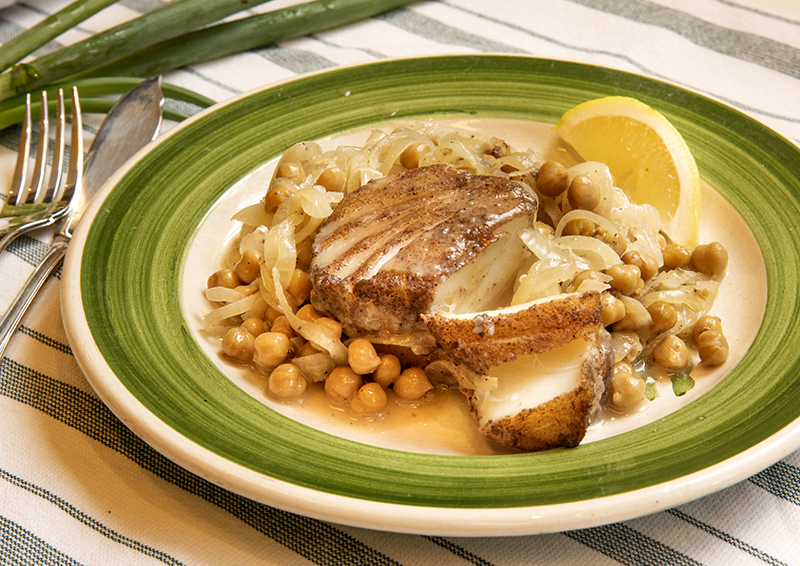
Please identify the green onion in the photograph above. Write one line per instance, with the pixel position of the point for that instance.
(111, 85)
(246, 33)
(682, 383)
(650, 389)
(173, 19)
(165, 39)
(88, 106)
(12, 111)
(30, 40)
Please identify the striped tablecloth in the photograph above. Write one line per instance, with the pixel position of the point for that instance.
(77, 487)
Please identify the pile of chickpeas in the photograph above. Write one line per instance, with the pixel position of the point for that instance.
(271, 344)
(631, 323)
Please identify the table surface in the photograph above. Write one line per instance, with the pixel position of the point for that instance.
(78, 488)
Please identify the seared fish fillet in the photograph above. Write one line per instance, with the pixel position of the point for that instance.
(424, 261)
(426, 238)
(534, 374)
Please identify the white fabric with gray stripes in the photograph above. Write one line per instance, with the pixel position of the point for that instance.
(76, 487)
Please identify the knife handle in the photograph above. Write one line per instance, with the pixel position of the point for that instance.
(13, 316)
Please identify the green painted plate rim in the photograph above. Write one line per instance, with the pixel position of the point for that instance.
(123, 313)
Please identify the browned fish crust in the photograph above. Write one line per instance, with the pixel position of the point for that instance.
(488, 341)
(378, 260)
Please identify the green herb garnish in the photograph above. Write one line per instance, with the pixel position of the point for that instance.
(681, 383)
(650, 389)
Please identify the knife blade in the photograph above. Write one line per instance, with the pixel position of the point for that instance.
(134, 121)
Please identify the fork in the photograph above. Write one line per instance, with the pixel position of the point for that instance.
(46, 203)
(71, 195)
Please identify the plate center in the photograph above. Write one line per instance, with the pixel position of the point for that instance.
(445, 426)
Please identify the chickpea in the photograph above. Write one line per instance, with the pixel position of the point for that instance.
(712, 347)
(306, 349)
(710, 259)
(579, 227)
(254, 326)
(626, 390)
(553, 179)
(663, 314)
(248, 268)
(624, 278)
(612, 309)
(308, 313)
(412, 154)
(299, 286)
(583, 193)
(292, 171)
(623, 366)
(330, 325)
(247, 290)
(271, 314)
(271, 349)
(342, 383)
(332, 179)
(224, 278)
(671, 353)
(281, 325)
(276, 194)
(388, 370)
(362, 357)
(636, 316)
(677, 256)
(370, 398)
(706, 322)
(287, 382)
(238, 344)
(647, 265)
(412, 384)
(617, 242)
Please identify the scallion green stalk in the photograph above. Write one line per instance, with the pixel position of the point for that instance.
(173, 19)
(138, 48)
(94, 87)
(17, 48)
(243, 34)
(88, 106)
(12, 111)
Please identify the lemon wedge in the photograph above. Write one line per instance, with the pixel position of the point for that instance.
(647, 156)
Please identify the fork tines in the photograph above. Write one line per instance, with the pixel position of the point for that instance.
(34, 190)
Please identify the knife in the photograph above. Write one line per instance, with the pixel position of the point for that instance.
(134, 121)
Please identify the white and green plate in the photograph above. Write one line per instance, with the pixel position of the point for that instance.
(133, 326)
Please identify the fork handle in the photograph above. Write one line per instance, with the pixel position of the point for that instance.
(13, 316)
(14, 233)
